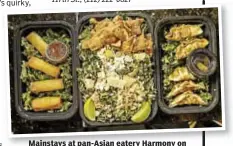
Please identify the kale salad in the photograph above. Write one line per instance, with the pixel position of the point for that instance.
(116, 72)
(180, 86)
(48, 86)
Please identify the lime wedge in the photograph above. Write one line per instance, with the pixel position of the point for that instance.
(89, 109)
(143, 113)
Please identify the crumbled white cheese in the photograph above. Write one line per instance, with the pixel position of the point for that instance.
(129, 81)
(101, 55)
(112, 74)
(119, 59)
(89, 83)
(119, 62)
(101, 74)
(110, 67)
(100, 84)
(140, 56)
(128, 58)
(116, 82)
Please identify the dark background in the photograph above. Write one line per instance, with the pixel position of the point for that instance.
(75, 124)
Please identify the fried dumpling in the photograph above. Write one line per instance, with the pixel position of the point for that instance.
(127, 46)
(187, 98)
(121, 33)
(97, 40)
(135, 25)
(143, 43)
(101, 35)
(98, 25)
(93, 44)
(181, 74)
(126, 35)
(186, 47)
(185, 86)
(117, 18)
(183, 31)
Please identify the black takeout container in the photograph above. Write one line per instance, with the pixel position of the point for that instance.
(85, 21)
(214, 81)
(23, 30)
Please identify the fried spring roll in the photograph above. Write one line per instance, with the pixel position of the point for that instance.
(46, 85)
(46, 103)
(37, 42)
(43, 66)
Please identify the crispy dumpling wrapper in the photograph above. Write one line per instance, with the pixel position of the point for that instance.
(185, 86)
(140, 44)
(181, 74)
(117, 18)
(126, 35)
(186, 47)
(183, 31)
(187, 98)
(127, 46)
(143, 43)
(98, 40)
(135, 25)
(121, 33)
(101, 24)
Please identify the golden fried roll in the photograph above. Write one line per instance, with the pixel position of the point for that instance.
(46, 103)
(46, 85)
(37, 42)
(43, 66)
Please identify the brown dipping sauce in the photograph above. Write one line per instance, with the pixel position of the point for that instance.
(57, 52)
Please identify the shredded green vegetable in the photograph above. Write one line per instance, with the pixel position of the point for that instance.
(109, 110)
(112, 102)
(29, 75)
(169, 63)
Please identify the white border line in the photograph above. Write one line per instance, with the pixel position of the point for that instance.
(124, 132)
(113, 9)
(11, 135)
(221, 53)
(7, 76)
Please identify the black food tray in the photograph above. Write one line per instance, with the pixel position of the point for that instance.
(214, 81)
(23, 30)
(85, 21)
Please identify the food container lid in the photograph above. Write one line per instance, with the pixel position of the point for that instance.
(202, 63)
